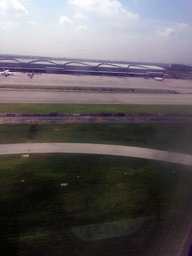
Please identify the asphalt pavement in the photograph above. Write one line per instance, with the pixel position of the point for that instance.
(53, 80)
(43, 96)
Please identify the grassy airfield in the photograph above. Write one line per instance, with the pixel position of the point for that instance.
(175, 137)
(37, 213)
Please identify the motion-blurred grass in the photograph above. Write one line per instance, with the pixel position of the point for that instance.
(100, 189)
(175, 137)
(93, 108)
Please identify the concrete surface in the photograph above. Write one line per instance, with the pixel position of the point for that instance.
(97, 81)
(103, 149)
(33, 96)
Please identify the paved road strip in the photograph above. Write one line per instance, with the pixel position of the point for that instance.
(14, 96)
(103, 149)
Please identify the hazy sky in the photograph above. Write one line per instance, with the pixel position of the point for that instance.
(132, 30)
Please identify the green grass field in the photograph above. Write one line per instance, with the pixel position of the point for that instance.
(91, 108)
(175, 137)
(36, 211)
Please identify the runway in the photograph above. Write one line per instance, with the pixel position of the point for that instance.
(44, 96)
(51, 80)
(182, 89)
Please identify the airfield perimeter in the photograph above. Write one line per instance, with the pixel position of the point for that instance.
(175, 92)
